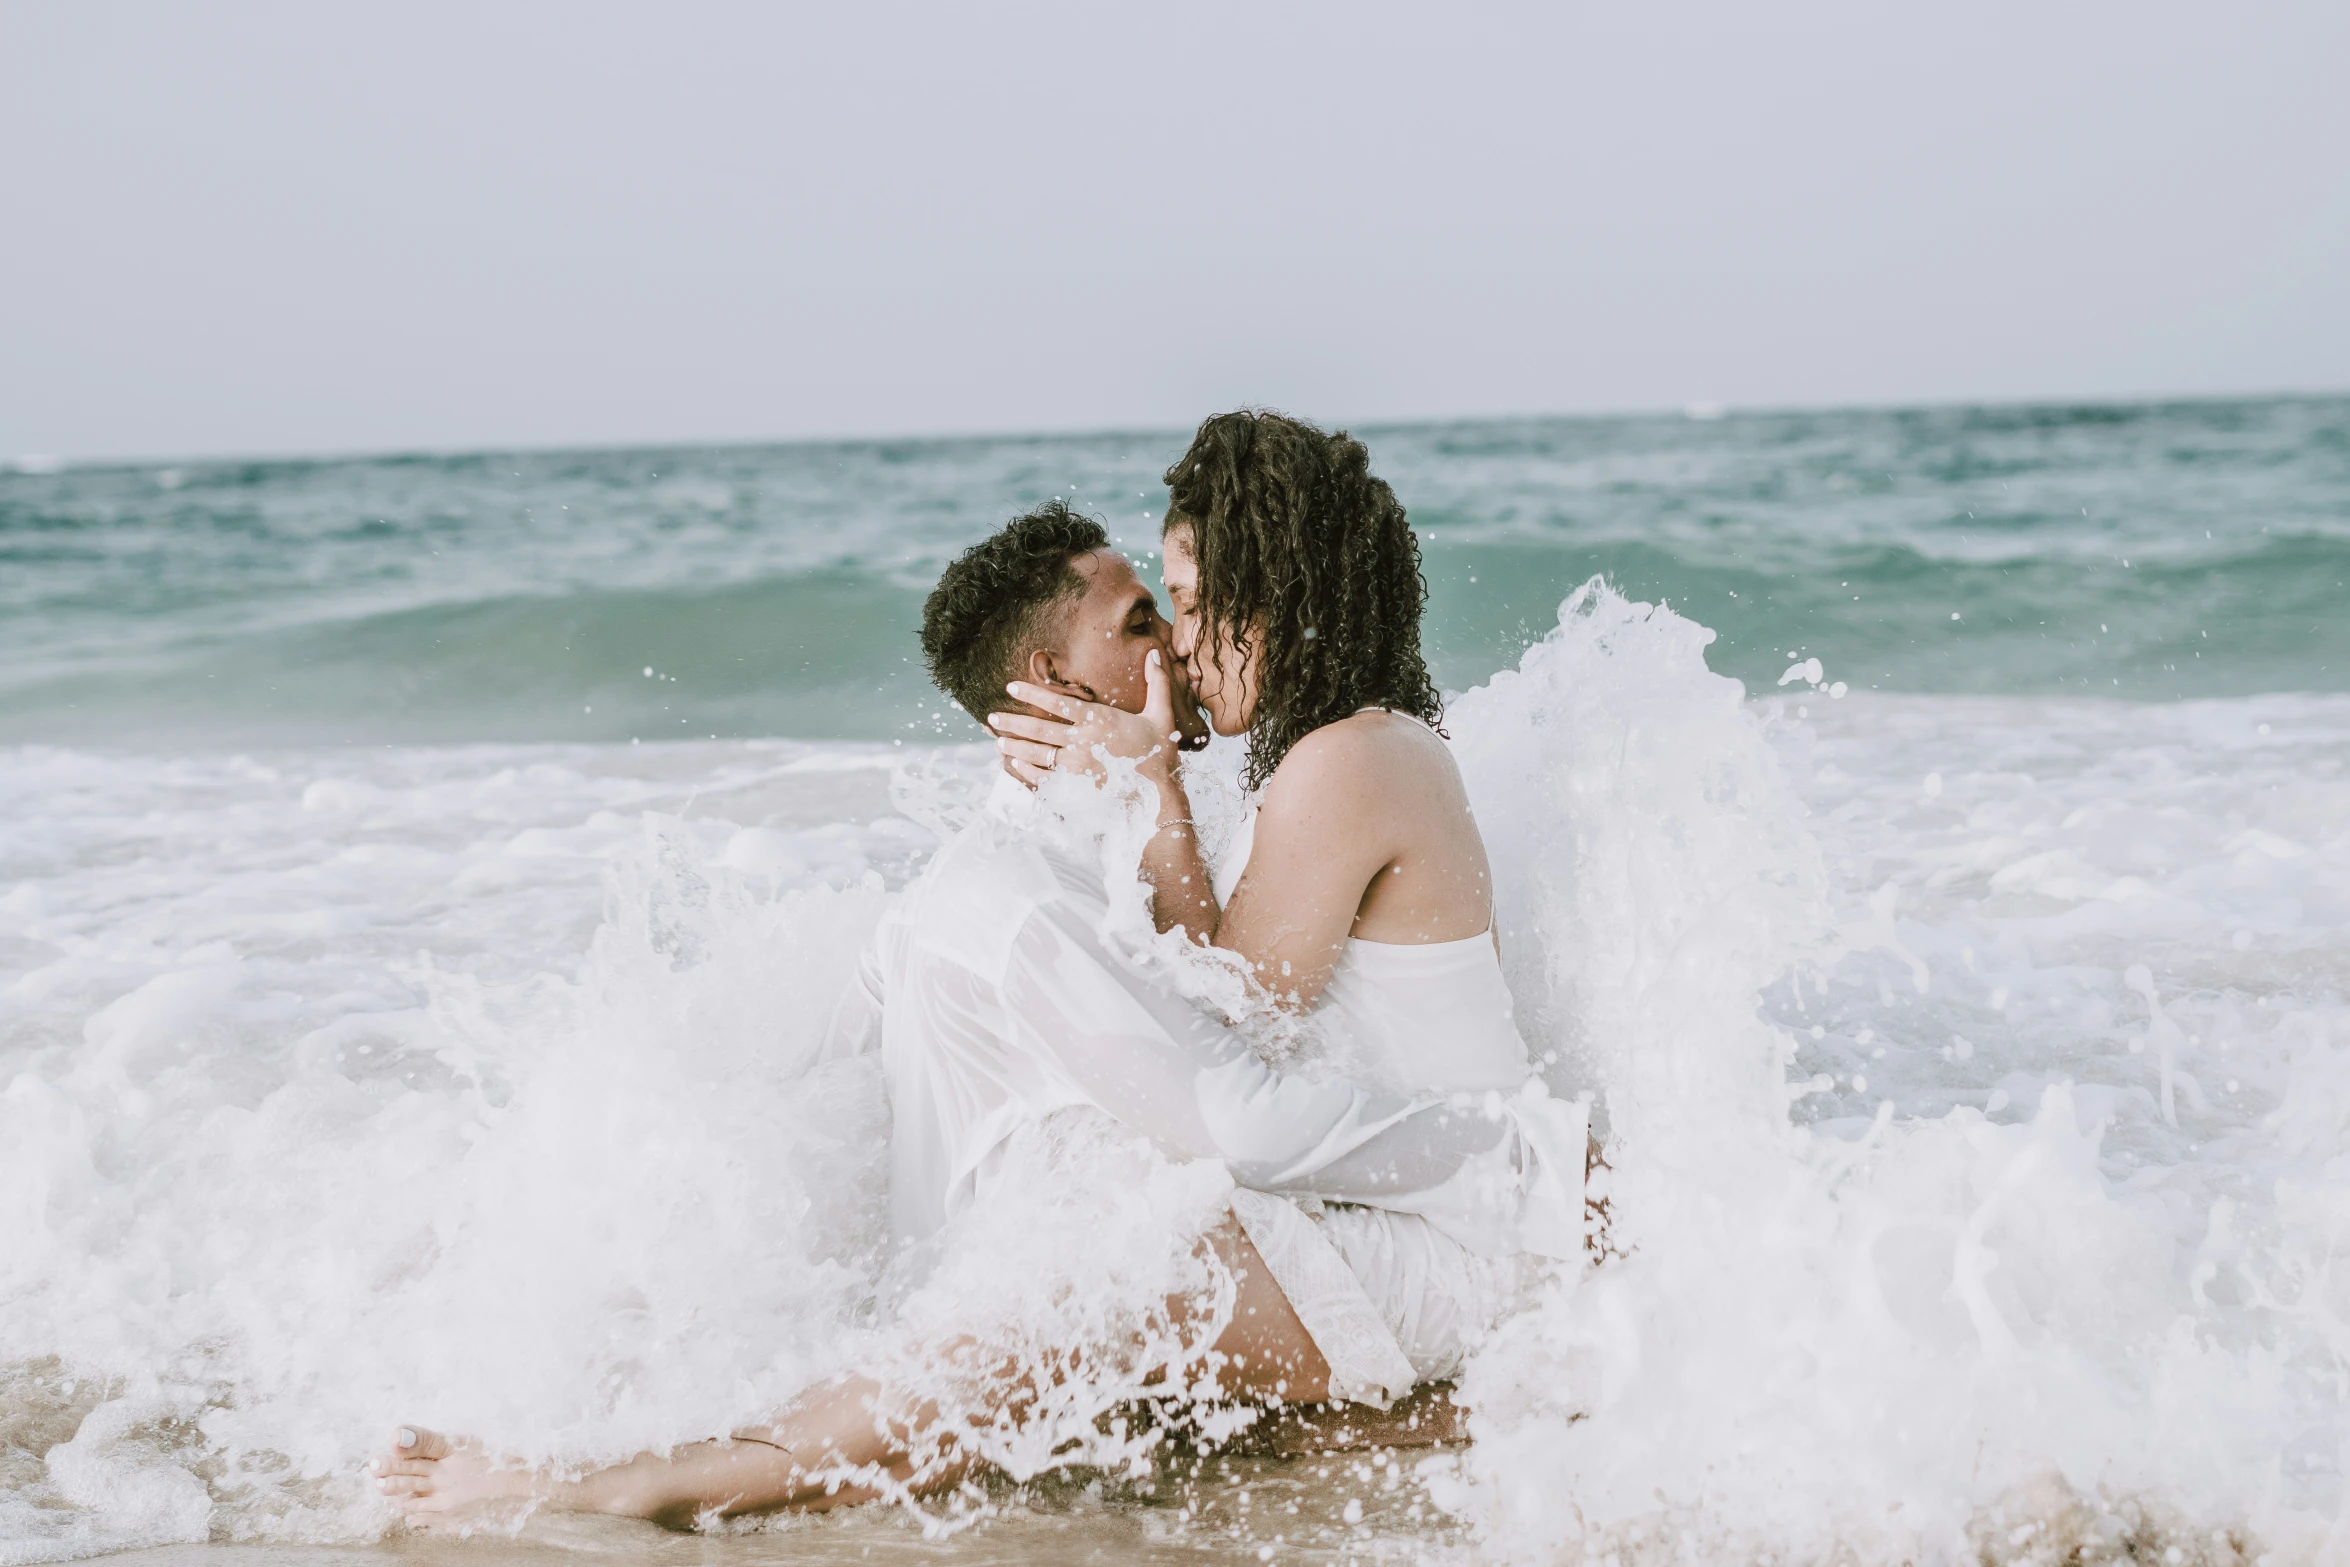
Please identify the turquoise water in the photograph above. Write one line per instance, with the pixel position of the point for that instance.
(2155, 551)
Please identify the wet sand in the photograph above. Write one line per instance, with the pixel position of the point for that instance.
(1322, 1484)
(1229, 1509)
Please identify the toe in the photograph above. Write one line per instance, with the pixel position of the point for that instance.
(417, 1442)
(424, 1510)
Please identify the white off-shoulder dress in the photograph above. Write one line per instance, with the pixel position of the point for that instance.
(1390, 1298)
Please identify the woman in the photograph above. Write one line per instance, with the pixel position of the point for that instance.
(1365, 899)
(1297, 595)
(1365, 904)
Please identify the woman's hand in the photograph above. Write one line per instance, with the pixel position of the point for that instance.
(1079, 739)
(1076, 739)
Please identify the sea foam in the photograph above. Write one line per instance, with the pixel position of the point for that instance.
(1986, 1273)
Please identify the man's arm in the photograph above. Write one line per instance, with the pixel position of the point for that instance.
(1499, 1173)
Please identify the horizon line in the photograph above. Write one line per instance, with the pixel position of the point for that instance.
(1699, 411)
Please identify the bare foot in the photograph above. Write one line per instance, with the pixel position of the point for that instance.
(429, 1477)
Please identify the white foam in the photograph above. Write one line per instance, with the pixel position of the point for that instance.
(2027, 1286)
(314, 1117)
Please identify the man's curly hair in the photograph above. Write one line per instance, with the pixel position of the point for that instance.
(991, 607)
(1298, 544)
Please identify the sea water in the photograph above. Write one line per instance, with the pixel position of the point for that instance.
(423, 883)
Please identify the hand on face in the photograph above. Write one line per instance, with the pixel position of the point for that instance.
(1080, 736)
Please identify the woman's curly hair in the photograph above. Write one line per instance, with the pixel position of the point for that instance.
(1299, 544)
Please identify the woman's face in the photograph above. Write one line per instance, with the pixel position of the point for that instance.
(1222, 678)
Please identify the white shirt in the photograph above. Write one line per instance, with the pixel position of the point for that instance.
(998, 995)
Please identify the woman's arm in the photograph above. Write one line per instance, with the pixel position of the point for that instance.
(1075, 741)
(1326, 828)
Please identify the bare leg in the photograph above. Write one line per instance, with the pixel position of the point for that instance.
(1269, 1355)
(794, 1463)
(846, 1424)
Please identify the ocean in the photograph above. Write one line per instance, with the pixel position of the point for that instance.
(423, 880)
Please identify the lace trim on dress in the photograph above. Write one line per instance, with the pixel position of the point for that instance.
(1366, 1364)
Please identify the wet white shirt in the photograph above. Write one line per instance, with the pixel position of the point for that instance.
(997, 997)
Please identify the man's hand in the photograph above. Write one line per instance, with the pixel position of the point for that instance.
(1082, 732)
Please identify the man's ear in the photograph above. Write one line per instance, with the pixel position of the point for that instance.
(1044, 669)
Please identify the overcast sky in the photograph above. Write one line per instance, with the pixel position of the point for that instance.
(257, 228)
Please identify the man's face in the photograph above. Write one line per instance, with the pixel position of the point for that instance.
(1105, 634)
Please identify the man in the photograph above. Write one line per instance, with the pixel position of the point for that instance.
(1047, 600)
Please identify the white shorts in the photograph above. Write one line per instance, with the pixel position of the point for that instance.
(1389, 1299)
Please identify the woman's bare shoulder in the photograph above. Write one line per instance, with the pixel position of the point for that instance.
(1369, 753)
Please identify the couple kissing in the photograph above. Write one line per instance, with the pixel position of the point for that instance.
(1371, 1206)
